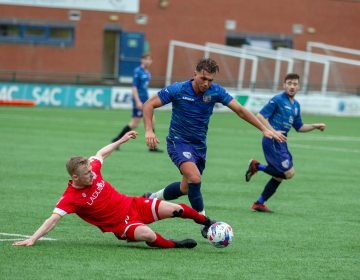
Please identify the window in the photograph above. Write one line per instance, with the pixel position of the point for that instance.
(60, 34)
(34, 32)
(270, 41)
(50, 34)
(9, 31)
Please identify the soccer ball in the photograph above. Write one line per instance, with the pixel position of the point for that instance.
(220, 234)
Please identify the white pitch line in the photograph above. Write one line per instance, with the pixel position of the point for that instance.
(332, 149)
(13, 239)
(21, 235)
(325, 138)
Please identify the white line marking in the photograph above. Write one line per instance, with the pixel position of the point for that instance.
(332, 149)
(21, 235)
(327, 138)
(13, 239)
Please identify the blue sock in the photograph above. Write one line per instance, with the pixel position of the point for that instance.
(261, 167)
(195, 196)
(172, 191)
(261, 199)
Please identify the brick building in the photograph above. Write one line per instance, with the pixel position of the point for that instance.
(87, 41)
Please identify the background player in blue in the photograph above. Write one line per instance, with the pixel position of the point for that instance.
(192, 105)
(279, 115)
(139, 89)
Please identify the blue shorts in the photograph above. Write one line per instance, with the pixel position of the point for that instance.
(180, 152)
(277, 154)
(136, 113)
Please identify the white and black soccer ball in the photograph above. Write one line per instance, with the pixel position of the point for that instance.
(220, 234)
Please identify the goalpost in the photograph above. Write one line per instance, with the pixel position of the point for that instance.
(238, 71)
(257, 69)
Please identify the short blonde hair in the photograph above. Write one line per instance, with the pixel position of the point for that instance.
(73, 164)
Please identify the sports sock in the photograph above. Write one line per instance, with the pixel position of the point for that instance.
(190, 213)
(273, 172)
(172, 191)
(269, 190)
(126, 128)
(261, 167)
(161, 242)
(159, 194)
(195, 196)
(260, 200)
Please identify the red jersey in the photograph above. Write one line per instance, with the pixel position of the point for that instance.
(99, 204)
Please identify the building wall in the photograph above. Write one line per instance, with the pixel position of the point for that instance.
(198, 21)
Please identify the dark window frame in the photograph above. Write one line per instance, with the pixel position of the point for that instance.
(43, 39)
(244, 38)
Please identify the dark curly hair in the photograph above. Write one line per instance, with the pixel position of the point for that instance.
(208, 65)
(291, 76)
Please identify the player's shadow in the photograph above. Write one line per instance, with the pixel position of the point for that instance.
(124, 245)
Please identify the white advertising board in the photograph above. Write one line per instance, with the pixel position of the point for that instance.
(121, 6)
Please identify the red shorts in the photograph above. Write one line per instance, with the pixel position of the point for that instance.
(142, 211)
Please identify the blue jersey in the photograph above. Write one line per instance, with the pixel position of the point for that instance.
(282, 114)
(190, 111)
(141, 81)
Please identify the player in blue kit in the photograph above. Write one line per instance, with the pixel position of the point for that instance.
(192, 105)
(139, 89)
(280, 114)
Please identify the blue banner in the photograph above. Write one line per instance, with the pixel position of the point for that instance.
(57, 95)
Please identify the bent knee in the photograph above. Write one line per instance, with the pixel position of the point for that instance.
(194, 178)
(171, 207)
(290, 173)
(177, 211)
(143, 233)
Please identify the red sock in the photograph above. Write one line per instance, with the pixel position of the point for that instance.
(161, 242)
(190, 213)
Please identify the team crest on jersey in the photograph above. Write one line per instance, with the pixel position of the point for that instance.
(187, 155)
(83, 194)
(206, 98)
(285, 163)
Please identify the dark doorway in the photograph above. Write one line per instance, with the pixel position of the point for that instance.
(110, 53)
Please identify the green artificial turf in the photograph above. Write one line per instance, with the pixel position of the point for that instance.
(313, 234)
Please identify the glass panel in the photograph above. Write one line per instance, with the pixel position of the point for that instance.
(281, 44)
(9, 30)
(60, 33)
(31, 31)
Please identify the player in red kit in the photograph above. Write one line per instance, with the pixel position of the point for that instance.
(97, 202)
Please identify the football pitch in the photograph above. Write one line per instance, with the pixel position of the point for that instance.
(313, 234)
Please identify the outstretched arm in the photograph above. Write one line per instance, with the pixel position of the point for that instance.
(310, 127)
(108, 149)
(47, 226)
(148, 111)
(252, 119)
